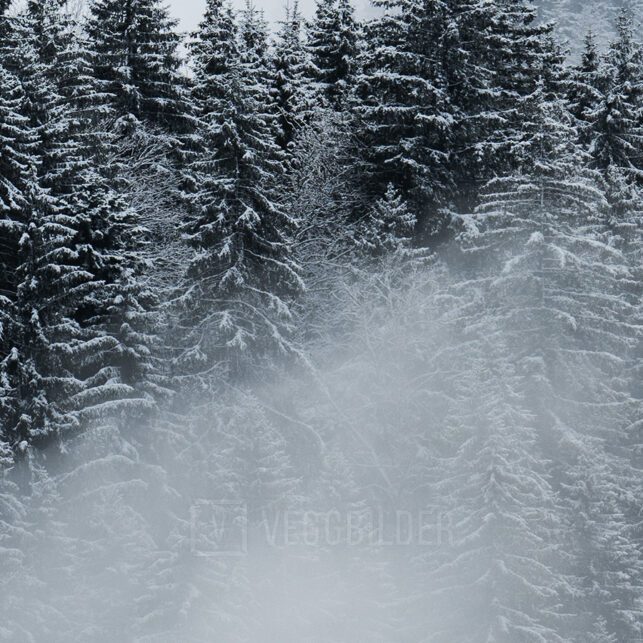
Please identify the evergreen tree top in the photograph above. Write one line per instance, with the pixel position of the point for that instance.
(135, 55)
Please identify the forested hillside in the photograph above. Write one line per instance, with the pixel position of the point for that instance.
(575, 18)
(329, 332)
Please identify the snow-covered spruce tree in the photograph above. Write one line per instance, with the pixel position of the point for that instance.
(256, 62)
(617, 136)
(17, 163)
(253, 42)
(66, 61)
(102, 221)
(135, 59)
(390, 226)
(242, 277)
(471, 63)
(491, 54)
(289, 84)
(22, 619)
(584, 93)
(555, 276)
(404, 127)
(494, 576)
(143, 108)
(444, 433)
(83, 193)
(18, 187)
(333, 50)
(76, 350)
(28, 365)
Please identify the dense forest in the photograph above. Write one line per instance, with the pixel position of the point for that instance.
(325, 331)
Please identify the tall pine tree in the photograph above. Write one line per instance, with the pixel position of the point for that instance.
(242, 277)
(333, 47)
(290, 87)
(404, 127)
(135, 60)
(617, 139)
(556, 269)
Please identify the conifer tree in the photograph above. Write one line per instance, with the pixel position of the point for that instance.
(548, 227)
(80, 344)
(404, 129)
(390, 227)
(253, 41)
(290, 91)
(242, 277)
(136, 63)
(144, 115)
(332, 45)
(496, 579)
(484, 49)
(439, 98)
(617, 137)
(18, 188)
(585, 88)
(256, 62)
